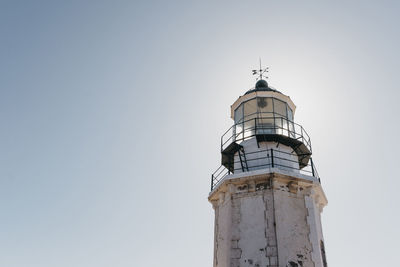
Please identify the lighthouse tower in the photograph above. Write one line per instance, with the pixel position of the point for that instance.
(267, 194)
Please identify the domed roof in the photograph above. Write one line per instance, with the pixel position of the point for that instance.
(261, 85)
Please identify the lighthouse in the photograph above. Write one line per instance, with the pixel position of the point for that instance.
(267, 194)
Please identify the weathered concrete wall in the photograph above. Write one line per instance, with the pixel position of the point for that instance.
(292, 228)
(265, 221)
(256, 238)
(246, 220)
(314, 221)
(223, 230)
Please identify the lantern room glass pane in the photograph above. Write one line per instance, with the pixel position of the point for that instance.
(290, 113)
(249, 127)
(280, 107)
(264, 105)
(238, 129)
(290, 123)
(279, 125)
(239, 114)
(250, 108)
(238, 132)
(265, 125)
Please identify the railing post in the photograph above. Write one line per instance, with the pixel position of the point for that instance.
(212, 181)
(283, 126)
(272, 158)
(255, 126)
(312, 167)
(243, 123)
(302, 138)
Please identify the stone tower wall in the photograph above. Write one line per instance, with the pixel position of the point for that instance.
(266, 222)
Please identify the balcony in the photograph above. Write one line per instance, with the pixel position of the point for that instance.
(264, 159)
(266, 129)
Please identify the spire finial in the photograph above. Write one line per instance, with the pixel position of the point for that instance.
(261, 72)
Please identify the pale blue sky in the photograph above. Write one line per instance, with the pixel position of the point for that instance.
(111, 114)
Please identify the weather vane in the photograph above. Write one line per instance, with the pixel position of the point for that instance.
(262, 73)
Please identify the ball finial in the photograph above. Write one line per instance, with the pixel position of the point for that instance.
(261, 84)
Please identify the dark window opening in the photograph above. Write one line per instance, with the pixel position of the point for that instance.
(323, 254)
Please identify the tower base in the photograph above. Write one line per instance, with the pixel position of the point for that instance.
(268, 218)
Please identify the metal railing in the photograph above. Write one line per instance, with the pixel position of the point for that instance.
(265, 159)
(265, 126)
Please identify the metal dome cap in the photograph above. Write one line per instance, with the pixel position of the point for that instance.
(261, 85)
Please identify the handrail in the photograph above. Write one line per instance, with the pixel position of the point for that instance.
(270, 158)
(265, 125)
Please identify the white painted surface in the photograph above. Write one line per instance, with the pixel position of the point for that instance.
(264, 220)
(292, 229)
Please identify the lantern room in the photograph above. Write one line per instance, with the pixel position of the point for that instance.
(265, 117)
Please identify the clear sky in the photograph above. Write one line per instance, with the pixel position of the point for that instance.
(111, 114)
